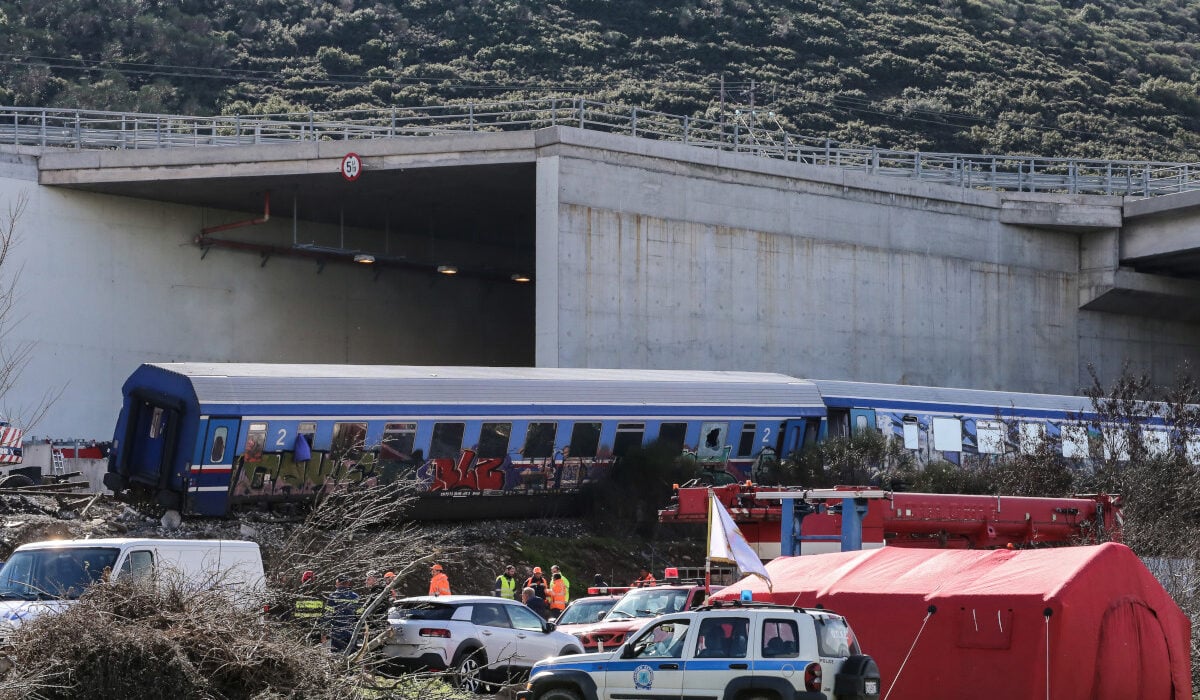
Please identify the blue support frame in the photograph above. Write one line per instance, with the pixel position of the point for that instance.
(791, 539)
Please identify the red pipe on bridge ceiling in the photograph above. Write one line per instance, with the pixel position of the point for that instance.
(247, 222)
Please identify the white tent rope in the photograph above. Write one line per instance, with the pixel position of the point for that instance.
(896, 680)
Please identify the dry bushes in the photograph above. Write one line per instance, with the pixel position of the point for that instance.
(182, 639)
(168, 640)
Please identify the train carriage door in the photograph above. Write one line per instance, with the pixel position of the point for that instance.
(862, 420)
(210, 478)
(151, 444)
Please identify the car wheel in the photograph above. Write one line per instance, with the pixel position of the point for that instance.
(559, 694)
(567, 651)
(467, 669)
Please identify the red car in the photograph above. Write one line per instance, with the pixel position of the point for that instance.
(634, 610)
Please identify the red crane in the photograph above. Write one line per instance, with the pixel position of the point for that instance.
(900, 519)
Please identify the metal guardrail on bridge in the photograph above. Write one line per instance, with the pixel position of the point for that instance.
(746, 132)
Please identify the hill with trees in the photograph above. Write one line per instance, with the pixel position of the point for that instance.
(1100, 78)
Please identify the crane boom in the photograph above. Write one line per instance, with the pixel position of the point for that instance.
(902, 519)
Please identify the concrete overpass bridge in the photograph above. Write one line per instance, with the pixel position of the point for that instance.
(585, 235)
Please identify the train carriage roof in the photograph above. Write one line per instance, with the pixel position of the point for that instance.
(228, 384)
(841, 394)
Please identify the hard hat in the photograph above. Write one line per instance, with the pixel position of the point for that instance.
(389, 575)
(554, 567)
(537, 569)
(437, 567)
(307, 576)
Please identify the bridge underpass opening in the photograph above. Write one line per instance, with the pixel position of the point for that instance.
(416, 225)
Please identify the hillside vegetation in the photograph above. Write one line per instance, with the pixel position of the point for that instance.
(1101, 78)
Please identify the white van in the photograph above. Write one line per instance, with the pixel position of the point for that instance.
(45, 576)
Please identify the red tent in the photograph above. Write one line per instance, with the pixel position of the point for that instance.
(1090, 623)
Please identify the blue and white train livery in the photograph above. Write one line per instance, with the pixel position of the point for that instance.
(497, 442)
(205, 438)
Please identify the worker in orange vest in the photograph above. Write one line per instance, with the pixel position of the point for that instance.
(645, 578)
(438, 583)
(558, 594)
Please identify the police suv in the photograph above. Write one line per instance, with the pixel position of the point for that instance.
(735, 650)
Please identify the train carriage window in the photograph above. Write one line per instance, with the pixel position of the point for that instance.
(912, 433)
(1157, 443)
(447, 440)
(493, 440)
(398, 442)
(220, 435)
(308, 431)
(1075, 441)
(585, 439)
(629, 436)
(256, 438)
(989, 435)
(349, 441)
(266, 472)
(673, 434)
(947, 434)
(1033, 435)
(156, 423)
(539, 440)
(1192, 448)
(746, 443)
(712, 441)
(1116, 444)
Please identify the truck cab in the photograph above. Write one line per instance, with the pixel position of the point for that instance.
(635, 609)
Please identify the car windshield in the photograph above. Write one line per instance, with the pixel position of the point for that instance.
(43, 574)
(648, 602)
(420, 610)
(583, 611)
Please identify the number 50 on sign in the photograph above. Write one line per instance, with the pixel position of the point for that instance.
(351, 166)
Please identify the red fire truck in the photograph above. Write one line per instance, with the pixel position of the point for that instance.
(900, 519)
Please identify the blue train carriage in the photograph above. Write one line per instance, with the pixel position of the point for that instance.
(484, 442)
(961, 425)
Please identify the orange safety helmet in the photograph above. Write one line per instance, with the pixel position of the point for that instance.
(437, 567)
(389, 576)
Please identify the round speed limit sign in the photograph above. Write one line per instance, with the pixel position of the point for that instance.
(351, 167)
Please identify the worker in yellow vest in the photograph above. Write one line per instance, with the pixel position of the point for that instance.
(506, 584)
(554, 570)
(439, 584)
(558, 594)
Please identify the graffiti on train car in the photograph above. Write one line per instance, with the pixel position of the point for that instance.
(278, 476)
(470, 472)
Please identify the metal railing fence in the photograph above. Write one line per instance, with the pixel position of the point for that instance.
(744, 133)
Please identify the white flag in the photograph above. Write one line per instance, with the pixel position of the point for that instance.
(727, 545)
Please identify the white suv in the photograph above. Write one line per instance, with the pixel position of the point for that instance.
(734, 650)
(479, 638)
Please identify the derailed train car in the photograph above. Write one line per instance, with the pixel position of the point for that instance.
(484, 442)
(508, 442)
